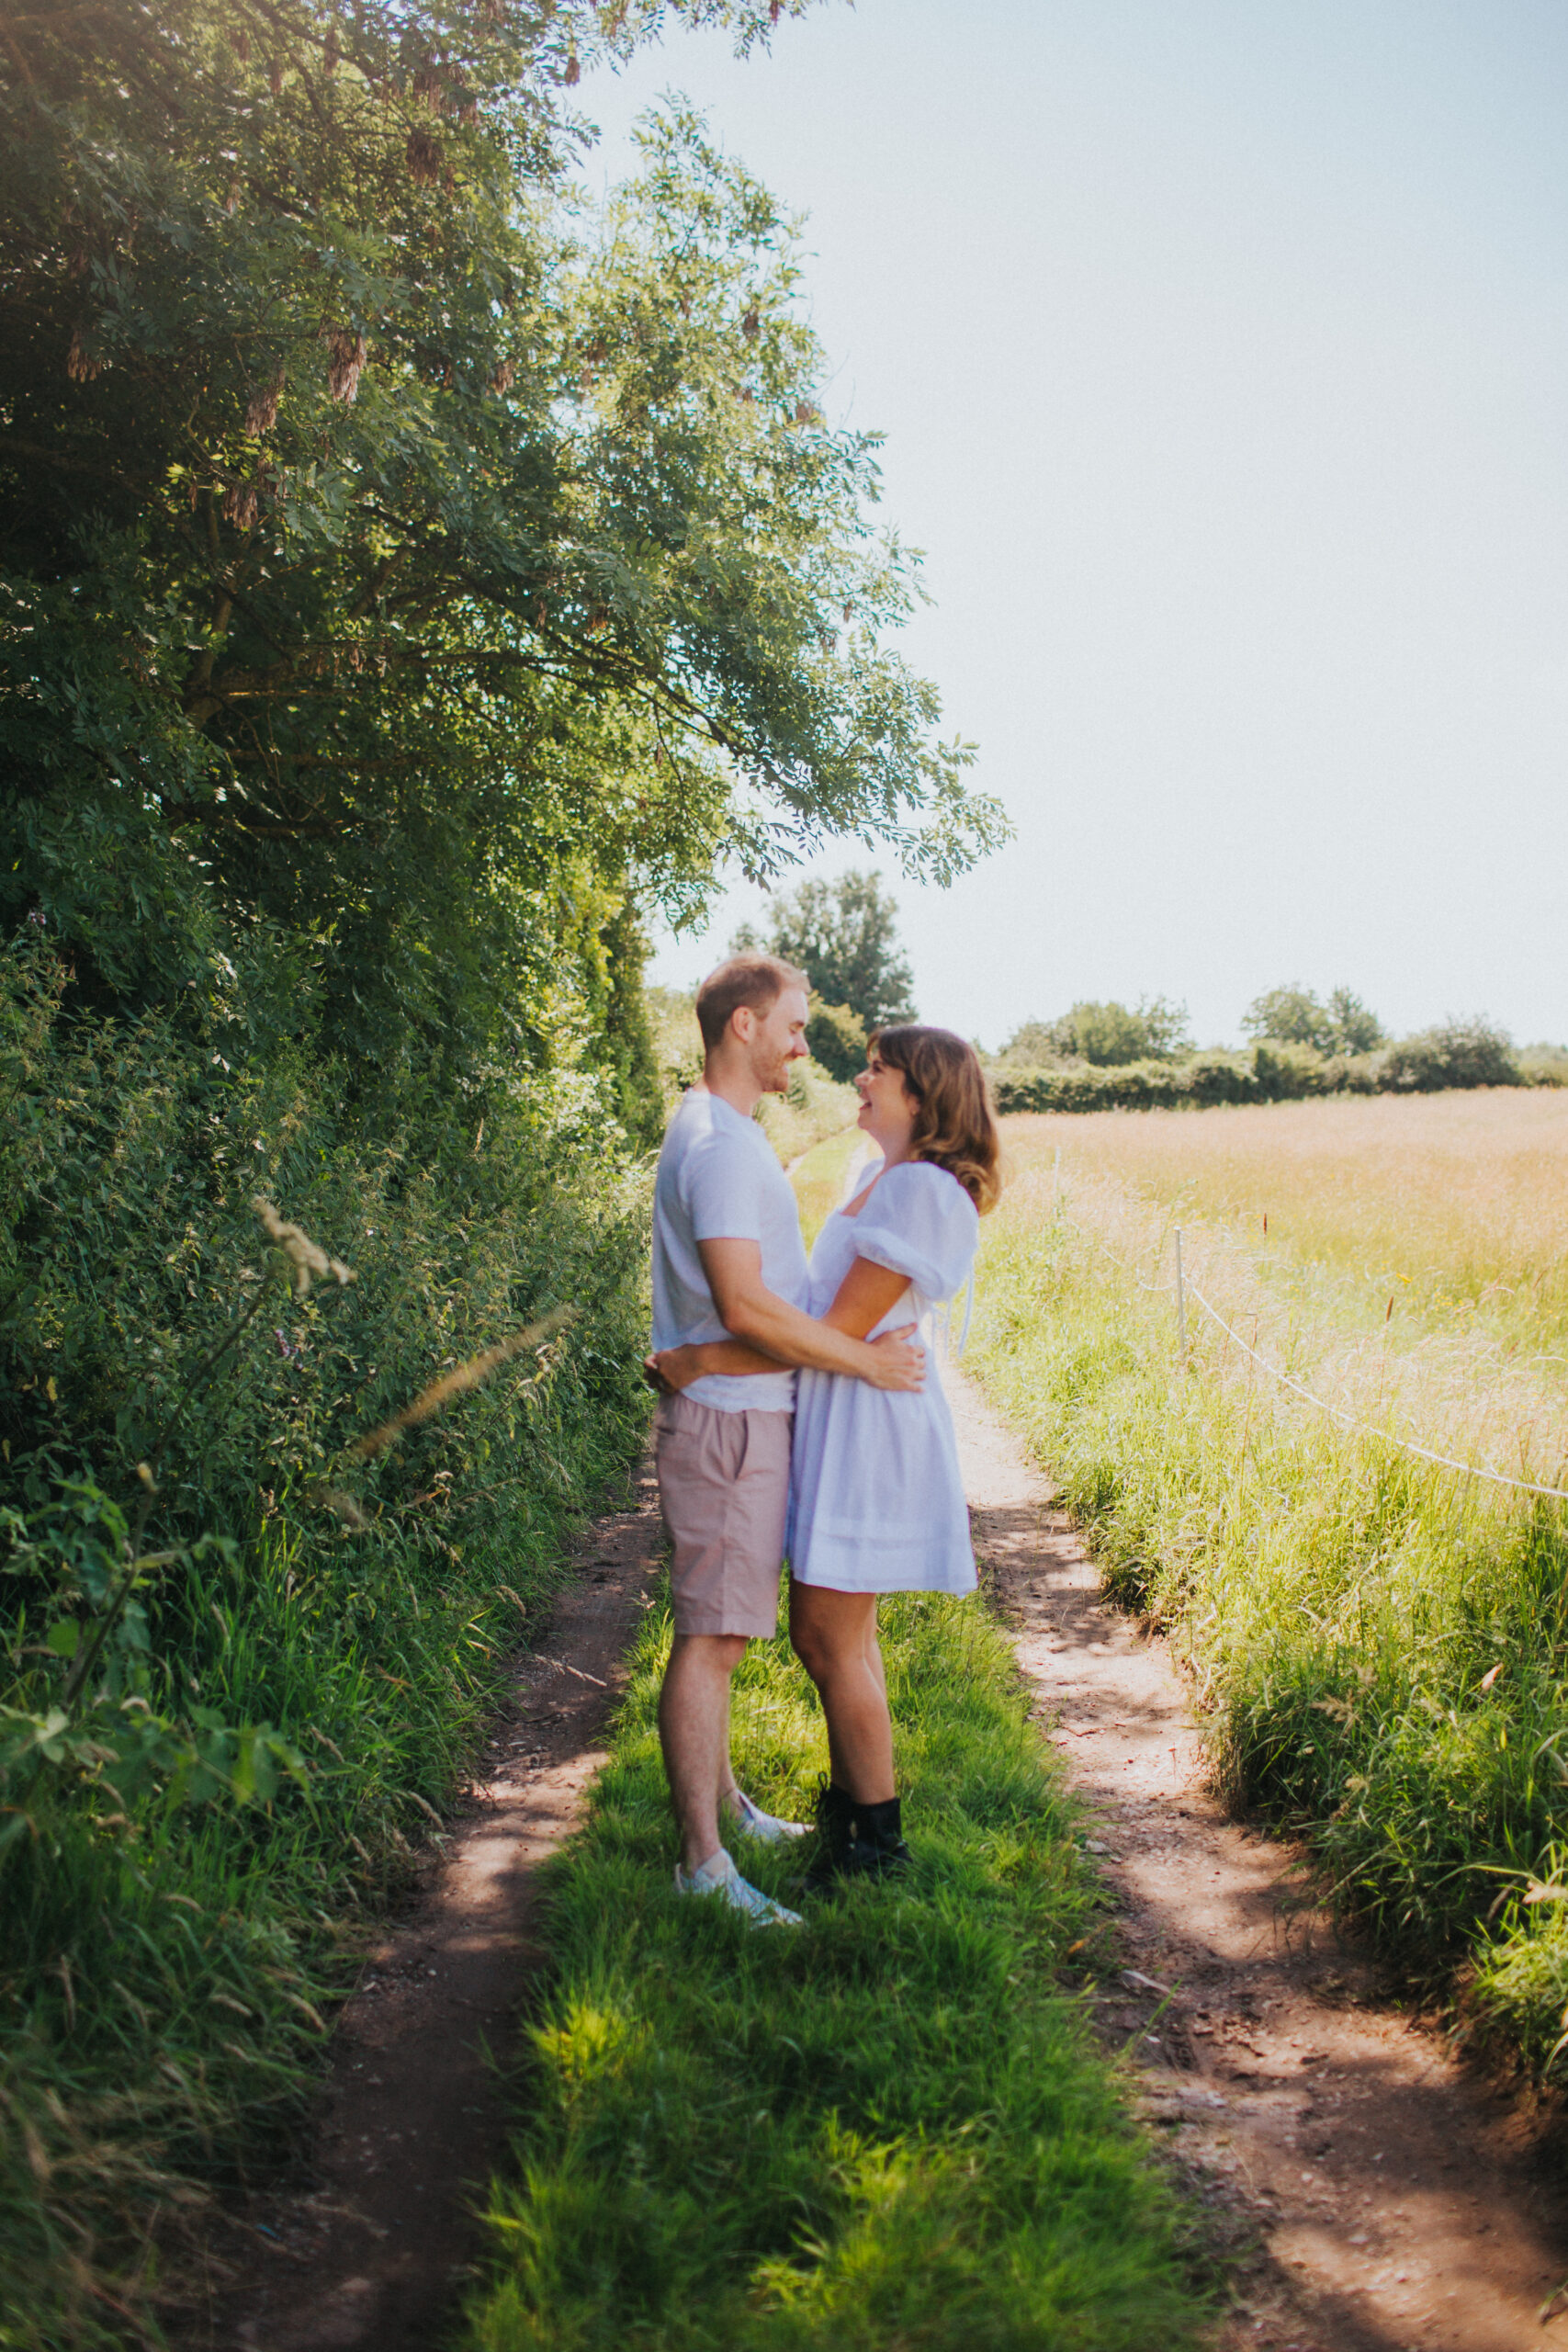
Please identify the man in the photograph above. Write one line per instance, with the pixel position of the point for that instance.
(727, 1258)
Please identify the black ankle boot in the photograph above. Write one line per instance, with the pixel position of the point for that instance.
(876, 1848)
(835, 1809)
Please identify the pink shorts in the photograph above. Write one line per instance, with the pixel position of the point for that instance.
(724, 1491)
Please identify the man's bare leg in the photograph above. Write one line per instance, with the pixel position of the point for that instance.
(693, 1731)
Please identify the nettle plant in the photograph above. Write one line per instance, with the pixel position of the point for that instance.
(86, 1573)
(82, 1644)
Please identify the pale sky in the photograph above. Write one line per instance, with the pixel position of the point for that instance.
(1221, 350)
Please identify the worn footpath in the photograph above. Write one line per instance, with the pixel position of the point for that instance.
(369, 2248)
(1392, 2197)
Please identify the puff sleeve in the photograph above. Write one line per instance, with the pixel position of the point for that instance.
(921, 1222)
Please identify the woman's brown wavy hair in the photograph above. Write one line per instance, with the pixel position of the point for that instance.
(955, 1125)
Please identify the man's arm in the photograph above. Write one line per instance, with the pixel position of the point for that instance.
(751, 1312)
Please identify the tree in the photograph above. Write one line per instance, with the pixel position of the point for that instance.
(1294, 1015)
(406, 573)
(1109, 1034)
(1357, 1029)
(844, 934)
(837, 1038)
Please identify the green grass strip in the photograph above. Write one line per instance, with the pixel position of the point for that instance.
(888, 2128)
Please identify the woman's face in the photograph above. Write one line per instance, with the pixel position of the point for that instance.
(887, 1106)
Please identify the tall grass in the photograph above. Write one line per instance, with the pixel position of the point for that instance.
(1378, 1648)
(1452, 1206)
(886, 2128)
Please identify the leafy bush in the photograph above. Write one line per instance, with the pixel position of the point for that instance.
(291, 1685)
(1108, 1035)
(1293, 1016)
(837, 1039)
(1460, 1054)
(1456, 1053)
(1543, 1064)
(1142, 1086)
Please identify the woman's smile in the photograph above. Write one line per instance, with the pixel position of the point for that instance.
(887, 1106)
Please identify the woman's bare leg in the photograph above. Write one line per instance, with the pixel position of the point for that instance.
(834, 1637)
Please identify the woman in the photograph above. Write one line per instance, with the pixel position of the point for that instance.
(876, 1501)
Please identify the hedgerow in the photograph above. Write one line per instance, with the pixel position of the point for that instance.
(291, 1679)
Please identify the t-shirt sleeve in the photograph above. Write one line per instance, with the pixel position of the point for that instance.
(724, 1190)
(921, 1222)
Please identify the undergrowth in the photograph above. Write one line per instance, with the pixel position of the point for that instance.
(167, 1965)
(887, 2127)
(1379, 1647)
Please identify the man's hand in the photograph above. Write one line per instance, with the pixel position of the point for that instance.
(672, 1370)
(901, 1358)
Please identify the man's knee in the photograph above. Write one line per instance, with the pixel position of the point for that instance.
(704, 1654)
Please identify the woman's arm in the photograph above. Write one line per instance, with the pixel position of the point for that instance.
(867, 1292)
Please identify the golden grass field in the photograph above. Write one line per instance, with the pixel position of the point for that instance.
(1409, 1253)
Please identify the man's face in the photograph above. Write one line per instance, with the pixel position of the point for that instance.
(778, 1038)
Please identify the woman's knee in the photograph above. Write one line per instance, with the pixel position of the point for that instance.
(810, 1637)
(814, 1653)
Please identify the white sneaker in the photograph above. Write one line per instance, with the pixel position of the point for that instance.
(766, 1827)
(719, 1876)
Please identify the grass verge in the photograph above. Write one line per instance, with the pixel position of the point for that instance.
(1380, 1648)
(888, 2127)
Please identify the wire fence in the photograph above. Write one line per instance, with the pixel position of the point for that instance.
(1182, 1287)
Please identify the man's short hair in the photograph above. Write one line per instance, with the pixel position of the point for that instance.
(755, 981)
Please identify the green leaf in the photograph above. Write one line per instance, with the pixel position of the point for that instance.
(64, 1637)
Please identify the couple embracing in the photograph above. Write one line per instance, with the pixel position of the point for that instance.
(796, 1414)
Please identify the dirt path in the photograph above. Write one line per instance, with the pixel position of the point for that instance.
(1396, 2201)
(369, 2249)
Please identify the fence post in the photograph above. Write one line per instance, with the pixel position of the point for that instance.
(1181, 1301)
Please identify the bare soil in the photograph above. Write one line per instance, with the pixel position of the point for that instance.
(369, 2246)
(1384, 2193)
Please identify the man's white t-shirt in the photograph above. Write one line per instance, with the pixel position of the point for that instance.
(719, 1180)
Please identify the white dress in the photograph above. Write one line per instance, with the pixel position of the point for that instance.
(876, 1501)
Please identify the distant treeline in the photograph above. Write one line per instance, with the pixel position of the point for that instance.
(1275, 1069)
